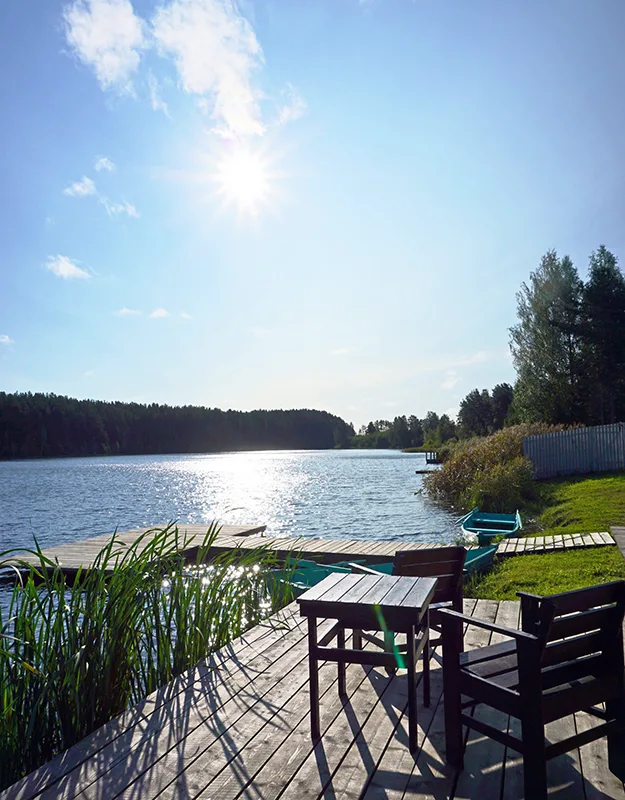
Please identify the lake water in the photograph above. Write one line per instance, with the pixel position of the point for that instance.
(351, 494)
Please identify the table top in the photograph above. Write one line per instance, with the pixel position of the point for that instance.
(344, 595)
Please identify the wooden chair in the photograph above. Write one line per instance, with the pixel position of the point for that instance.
(446, 564)
(568, 657)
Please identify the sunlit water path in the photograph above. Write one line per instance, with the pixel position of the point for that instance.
(332, 494)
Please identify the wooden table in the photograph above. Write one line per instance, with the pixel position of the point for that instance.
(390, 604)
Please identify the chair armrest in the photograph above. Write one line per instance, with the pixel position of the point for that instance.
(489, 626)
(361, 568)
(530, 595)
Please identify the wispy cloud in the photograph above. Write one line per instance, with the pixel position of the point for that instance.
(103, 164)
(115, 209)
(340, 351)
(475, 358)
(5, 339)
(184, 315)
(216, 52)
(156, 101)
(108, 37)
(89, 373)
(159, 313)
(82, 188)
(294, 107)
(64, 267)
(451, 379)
(127, 312)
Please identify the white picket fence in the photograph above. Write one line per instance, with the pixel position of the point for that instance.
(577, 451)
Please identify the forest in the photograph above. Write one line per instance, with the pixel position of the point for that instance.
(47, 425)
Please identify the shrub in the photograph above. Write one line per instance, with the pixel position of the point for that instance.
(490, 472)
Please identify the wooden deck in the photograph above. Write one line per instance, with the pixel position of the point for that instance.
(238, 727)
(77, 555)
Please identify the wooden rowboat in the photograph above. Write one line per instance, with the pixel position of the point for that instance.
(488, 526)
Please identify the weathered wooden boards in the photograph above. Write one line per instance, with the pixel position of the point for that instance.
(246, 537)
(239, 727)
(75, 555)
(544, 544)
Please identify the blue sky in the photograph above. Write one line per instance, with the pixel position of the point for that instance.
(292, 204)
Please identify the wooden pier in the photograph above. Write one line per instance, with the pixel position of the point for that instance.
(81, 555)
(238, 726)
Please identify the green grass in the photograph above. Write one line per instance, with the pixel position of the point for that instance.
(72, 657)
(547, 574)
(581, 504)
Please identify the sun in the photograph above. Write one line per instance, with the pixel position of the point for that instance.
(243, 179)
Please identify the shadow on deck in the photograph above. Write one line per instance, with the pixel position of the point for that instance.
(238, 727)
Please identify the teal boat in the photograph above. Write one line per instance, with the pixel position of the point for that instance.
(477, 559)
(301, 574)
(488, 526)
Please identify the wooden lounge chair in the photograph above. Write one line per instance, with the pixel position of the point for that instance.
(446, 564)
(568, 657)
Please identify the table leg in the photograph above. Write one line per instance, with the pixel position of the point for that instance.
(340, 641)
(412, 689)
(313, 671)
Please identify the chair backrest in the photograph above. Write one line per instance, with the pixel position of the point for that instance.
(585, 626)
(444, 563)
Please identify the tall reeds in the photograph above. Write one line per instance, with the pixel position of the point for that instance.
(72, 657)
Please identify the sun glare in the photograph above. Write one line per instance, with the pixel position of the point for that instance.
(244, 180)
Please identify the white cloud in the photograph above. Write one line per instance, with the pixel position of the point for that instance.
(5, 339)
(127, 312)
(184, 315)
(159, 313)
(340, 351)
(476, 358)
(103, 164)
(294, 108)
(82, 188)
(114, 209)
(216, 52)
(64, 267)
(89, 373)
(156, 101)
(451, 379)
(107, 36)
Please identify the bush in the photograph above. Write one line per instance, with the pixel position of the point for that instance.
(490, 472)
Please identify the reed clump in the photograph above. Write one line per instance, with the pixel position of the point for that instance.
(489, 471)
(72, 657)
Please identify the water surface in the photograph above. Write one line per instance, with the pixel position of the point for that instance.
(351, 494)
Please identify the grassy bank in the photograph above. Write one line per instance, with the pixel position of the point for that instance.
(548, 574)
(580, 504)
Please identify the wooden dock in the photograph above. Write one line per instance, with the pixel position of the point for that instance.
(238, 727)
(81, 555)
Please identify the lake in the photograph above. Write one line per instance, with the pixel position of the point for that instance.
(351, 494)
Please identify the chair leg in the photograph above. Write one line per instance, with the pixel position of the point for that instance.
(412, 690)
(426, 669)
(616, 741)
(534, 760)
(452, 697)
(357, 640)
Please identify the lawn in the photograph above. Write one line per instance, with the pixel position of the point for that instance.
(547, 574)
(580, 504)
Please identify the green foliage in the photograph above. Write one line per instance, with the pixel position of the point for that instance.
(547, 574)
(546, 344)
(581, 504)
(406, 433)
(489, 472)
(46, 425)
(604, 337)
(73, 657)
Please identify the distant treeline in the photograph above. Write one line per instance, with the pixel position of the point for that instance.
(47, 425)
